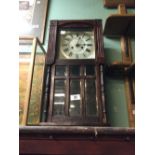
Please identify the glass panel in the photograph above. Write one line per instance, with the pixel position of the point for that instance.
(75, 70)
(60, 71)
(24, 67)
(59, 97)
(36, 90)
(90, 70)
(90, 97)
(75, 98)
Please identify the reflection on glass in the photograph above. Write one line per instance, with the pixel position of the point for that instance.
(90, 70)
(60, 71)
(74, 70)
(25, 59)
(36, 87)
(24, 67)
(59, 97)
(90, 94)
(75, 98)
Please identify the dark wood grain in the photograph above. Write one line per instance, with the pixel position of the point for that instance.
(115, 3)
(55, 25)
(50, 56)
(45, 94)
(120, 25)
(76, 141)
(76, 147)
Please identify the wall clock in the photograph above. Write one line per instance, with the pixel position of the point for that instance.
(73, 92)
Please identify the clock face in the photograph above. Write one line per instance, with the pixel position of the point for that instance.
(76, 45)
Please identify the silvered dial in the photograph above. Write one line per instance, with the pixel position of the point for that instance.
(77, 45)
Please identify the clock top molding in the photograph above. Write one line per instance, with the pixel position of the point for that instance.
(84, 41)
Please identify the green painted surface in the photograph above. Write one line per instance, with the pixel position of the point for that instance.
(93, 9)
(112, 50)
(116, 102)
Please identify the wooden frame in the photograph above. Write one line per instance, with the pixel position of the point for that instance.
(56, 25)
(126, 67)
(51, 60)
(127, 58)
(30, 24)
(62, 140)
(118, 25)
(115, 3)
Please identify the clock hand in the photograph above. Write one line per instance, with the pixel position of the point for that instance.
(84, 44)
(77, 43)
(78, 39)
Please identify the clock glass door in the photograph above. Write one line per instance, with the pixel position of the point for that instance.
(73, 94)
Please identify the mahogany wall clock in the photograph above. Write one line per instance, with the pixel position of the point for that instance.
(73, 91)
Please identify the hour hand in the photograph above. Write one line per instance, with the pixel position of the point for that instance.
(83, 45)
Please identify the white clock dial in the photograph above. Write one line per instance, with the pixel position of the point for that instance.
(77, 45)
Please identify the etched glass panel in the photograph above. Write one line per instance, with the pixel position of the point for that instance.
(90, 97)
(75, 98)
(59, 97)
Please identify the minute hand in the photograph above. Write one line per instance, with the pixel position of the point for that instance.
(87, 44)
(83, 44)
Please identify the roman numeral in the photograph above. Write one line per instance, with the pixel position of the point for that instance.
(88, 50)
(70, 54)
(66, 49)
(71, 35)
(89, 44)
(64, 44)
(87, 39)
(84, 55)
(83, 35)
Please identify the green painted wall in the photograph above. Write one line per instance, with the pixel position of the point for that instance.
(94, 9)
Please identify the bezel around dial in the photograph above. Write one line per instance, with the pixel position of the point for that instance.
(76, 44)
